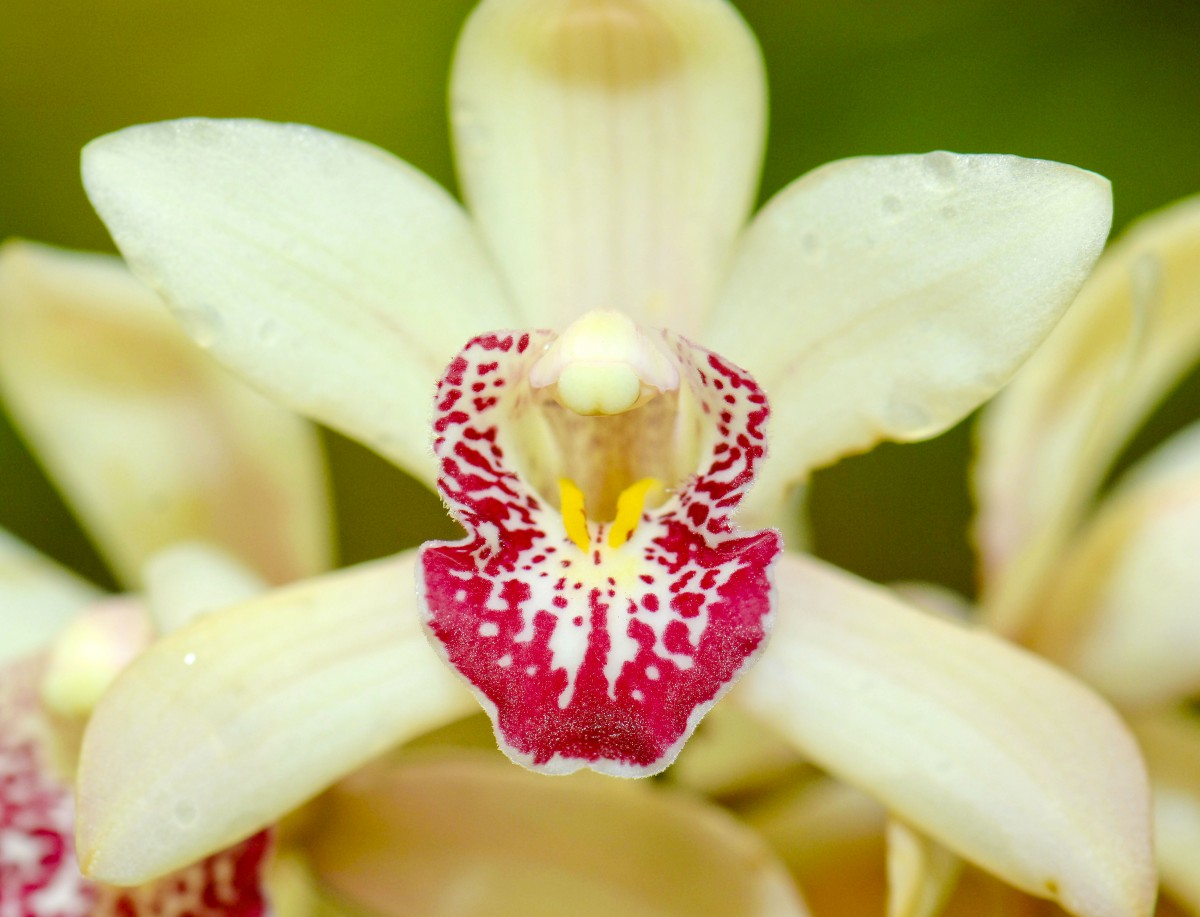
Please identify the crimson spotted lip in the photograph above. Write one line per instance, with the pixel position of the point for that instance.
(596, 644)
(39, 871)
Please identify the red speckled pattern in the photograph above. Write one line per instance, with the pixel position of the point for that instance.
(39, 874)
(605, 659)
(226, 884)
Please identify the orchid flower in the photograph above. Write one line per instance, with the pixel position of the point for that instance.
(157, 448)
(623, 332)
(92, 367)
(1107, 586)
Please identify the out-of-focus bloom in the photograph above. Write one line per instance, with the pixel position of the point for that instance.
(609, 152)
(1108, 586)
(161, 453)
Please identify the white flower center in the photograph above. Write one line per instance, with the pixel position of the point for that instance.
(604, 364)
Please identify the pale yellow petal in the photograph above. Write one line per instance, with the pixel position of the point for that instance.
(332, 275)
(453, 836)
(609, 150)
(816, 820)
(37, 597)
(921, 873)
(1121, 609)
(1177, 839)
(1172, 747)
(831, 836)
(90, 651)
(731, 754)
(1046, 443)
(149, 439)
(884, 298)
(192, 578)
(992, 752)
(222, 727)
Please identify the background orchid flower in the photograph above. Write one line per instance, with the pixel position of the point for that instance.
(1105, 583)
(155, 446)
(874, 298)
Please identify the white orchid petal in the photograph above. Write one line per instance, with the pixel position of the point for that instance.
(222, 727)
(921, 873)
(464, 836)
(1047, 441)
(37, 598)
(1121, 609)
(1171, 743)
(192, 578)
(335, 277)
(609, 150)
(884, 298)
(995, 754)
(148, 438)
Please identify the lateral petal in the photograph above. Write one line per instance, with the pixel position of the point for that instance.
(147, 437)
(1120, 607)
(884, 298)
(457, 836)
(995, 754)
(220, 728)
(1046, 442)
(37, 597)
(330, 274)
(609, 150)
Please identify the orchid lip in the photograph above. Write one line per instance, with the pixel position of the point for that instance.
(597, 644)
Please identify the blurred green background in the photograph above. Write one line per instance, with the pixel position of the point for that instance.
(1109, 85)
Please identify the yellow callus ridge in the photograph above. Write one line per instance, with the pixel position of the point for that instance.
(630, 504)
(570, 501)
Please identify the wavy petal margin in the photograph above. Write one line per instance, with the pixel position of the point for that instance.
(594, 654)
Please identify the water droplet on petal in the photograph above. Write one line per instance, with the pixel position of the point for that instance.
(185, 813)
(906, 417)
(268, 332)
(942, 170)
(202, 323)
